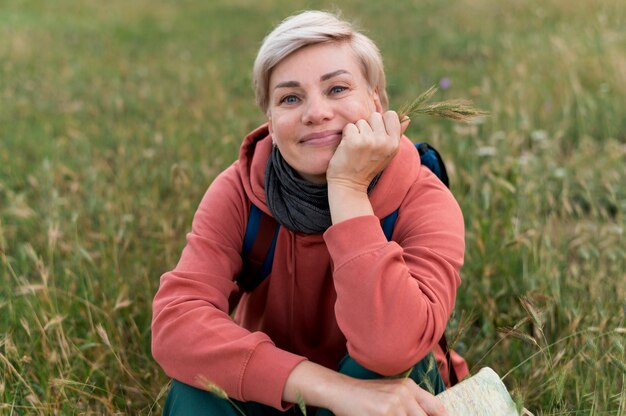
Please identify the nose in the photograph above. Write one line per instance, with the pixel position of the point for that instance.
(317, 110)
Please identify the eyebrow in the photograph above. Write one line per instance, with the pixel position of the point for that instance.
(333, 74)
(325, 77)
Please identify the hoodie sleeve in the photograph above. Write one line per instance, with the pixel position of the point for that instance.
(394, 298)
(193, 337)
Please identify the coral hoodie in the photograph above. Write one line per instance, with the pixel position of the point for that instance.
(348, 290)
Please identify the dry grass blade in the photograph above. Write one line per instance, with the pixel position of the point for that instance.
(301, 404)
(219, 392)
(458, 110)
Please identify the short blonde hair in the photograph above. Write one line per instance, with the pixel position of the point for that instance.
(311, 28)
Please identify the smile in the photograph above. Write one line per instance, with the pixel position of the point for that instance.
(322, 138)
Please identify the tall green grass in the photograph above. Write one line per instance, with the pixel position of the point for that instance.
(115, 116)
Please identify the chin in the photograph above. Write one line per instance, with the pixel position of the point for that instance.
(316, 174)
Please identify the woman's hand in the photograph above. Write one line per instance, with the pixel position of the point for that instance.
(366, 149)
(347, 396)
(387, 397)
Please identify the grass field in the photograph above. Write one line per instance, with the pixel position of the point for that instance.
(115, 116)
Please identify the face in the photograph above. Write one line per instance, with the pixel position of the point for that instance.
(314, 93)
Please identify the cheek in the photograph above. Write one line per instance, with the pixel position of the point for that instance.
(359, 109)
(282, 128)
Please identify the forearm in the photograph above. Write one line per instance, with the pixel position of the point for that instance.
(320, 387)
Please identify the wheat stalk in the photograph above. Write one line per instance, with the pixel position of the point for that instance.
(458, 109)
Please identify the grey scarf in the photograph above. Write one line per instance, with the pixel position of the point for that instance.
(294, 202)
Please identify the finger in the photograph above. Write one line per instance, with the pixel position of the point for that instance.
(392, 124)
(431, 405)
(377, 123)
(363, 126)
(405, 401)
(350, 129)
(404, 124)
(418, 411)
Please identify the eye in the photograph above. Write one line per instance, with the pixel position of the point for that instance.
(289, 99)
(337, 89)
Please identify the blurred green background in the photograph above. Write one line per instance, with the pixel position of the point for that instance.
(115, 117)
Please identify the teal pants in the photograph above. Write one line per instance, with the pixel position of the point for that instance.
(187, 400)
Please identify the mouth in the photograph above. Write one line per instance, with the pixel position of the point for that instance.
(322, 138)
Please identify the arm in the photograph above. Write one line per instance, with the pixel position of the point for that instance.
(193, 337)
(343, 395)
(393, 299)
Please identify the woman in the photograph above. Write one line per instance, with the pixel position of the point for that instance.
(342, 303)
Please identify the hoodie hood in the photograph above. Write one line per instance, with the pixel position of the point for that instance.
(386, 197)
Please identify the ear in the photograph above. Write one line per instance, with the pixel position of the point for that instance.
(377, 104)
(270, 125)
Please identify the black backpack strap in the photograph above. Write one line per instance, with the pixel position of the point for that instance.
(259, 244)
(430, 157)
(387, 224)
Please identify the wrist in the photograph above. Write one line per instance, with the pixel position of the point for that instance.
(348, 200)
(346, 186)
(318, 386)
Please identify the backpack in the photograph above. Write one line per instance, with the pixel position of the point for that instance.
(262, 232)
